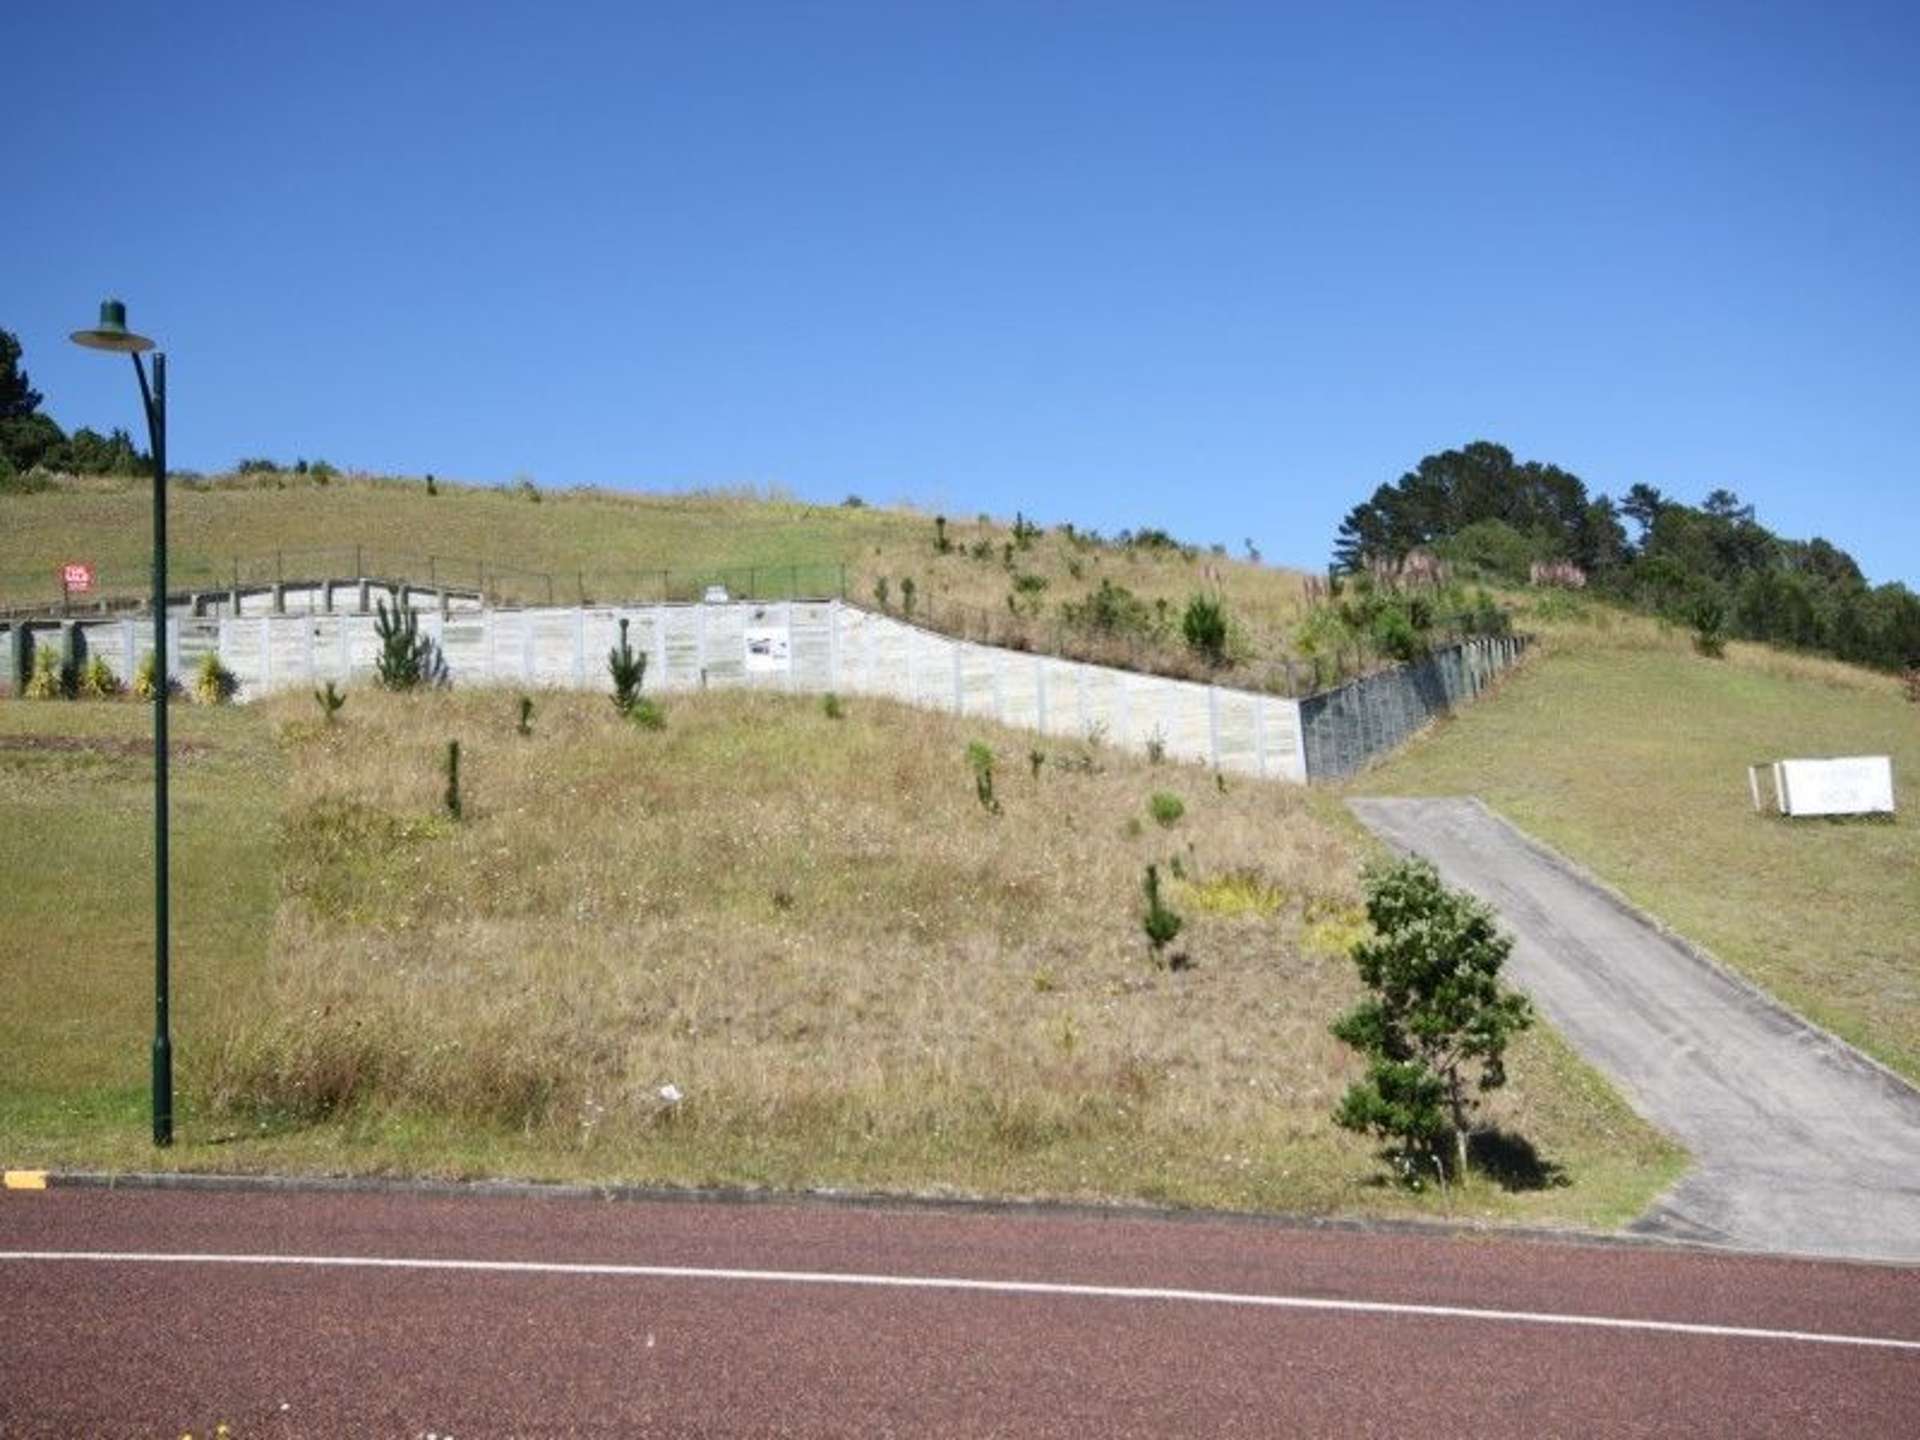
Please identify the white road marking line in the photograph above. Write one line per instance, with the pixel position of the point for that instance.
(991, 1287)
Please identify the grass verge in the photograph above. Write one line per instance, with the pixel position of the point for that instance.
(1627, 751)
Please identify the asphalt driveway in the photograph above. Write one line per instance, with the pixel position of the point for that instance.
(1800, 1143)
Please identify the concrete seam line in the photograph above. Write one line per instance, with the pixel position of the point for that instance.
(961, 1284)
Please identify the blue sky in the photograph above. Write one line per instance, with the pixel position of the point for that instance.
(1221, 269)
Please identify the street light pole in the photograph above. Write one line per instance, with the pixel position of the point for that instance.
(112, 334)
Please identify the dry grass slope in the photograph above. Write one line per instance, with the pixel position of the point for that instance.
(612, 545)
(853, 974)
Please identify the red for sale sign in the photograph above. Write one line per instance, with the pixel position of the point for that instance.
(76, 579)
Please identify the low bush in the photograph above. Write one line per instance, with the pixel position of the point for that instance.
(832, 707)
(329, 699)
(1166, 808)
(213, 683)
(648, 715)
(51, 679)
(1204, 626)
(97, 680)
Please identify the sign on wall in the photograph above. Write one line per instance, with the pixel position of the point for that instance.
(76, 577)
(768, 650)
(1843, 785)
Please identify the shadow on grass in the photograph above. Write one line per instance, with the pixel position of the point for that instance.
(1512, 1162)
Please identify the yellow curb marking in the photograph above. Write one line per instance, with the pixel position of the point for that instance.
(26, 1180)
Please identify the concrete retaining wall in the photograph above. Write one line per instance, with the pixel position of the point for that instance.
(820, 646)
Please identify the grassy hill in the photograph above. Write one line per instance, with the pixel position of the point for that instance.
(528, 546)
(1620, 745)
(851, 971)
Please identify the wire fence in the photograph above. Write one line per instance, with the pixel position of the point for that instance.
(494, 581)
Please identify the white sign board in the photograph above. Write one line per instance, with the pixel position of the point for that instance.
(767, 650)
(1848, 785)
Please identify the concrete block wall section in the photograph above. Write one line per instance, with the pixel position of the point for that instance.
(821, 646)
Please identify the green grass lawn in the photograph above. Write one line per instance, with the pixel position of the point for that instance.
(1624, 749)
(76, 904)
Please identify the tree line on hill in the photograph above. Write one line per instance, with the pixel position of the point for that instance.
(1712, 566)
(32, 442)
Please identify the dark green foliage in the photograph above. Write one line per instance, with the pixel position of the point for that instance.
(17, 396)
(881, 592)
(525, 725)
(1035, 759)
(1110, 610)
(453, 802)
(1025, 532)
(941, 543)
(648, 715)
(1436, 1013)
(1495, 517)
(329, 700)
(628, 667)
(1205, 627)
(29, 442)
(832, 707)
(256, 465)
(1159, 923)
(432, 488)
(407, 659)
(853, 502)
(980, 758)
(1166, 808)
(907, 591)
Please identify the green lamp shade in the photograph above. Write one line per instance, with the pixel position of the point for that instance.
(112, 333)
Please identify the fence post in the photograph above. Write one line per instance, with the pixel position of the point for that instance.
(549, 587)
(359, 566)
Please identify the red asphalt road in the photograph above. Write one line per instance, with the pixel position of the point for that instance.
(130, 1348)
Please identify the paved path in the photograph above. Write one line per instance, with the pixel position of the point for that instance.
(1800, 1143)
(468, 1316)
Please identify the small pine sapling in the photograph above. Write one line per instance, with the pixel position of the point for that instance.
(833, 707)
(980, 758)
(453, 780)
(1159, 923)
(1035, 759)
(881, 593)
(628, 668)
(941, 544)
(329, 700)
(1156, 748)
(1165, 808)
(907, 590)
(407, 659)
(525, 727)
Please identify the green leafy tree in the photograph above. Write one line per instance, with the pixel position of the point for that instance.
(1436, 1014)
(18, 398)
